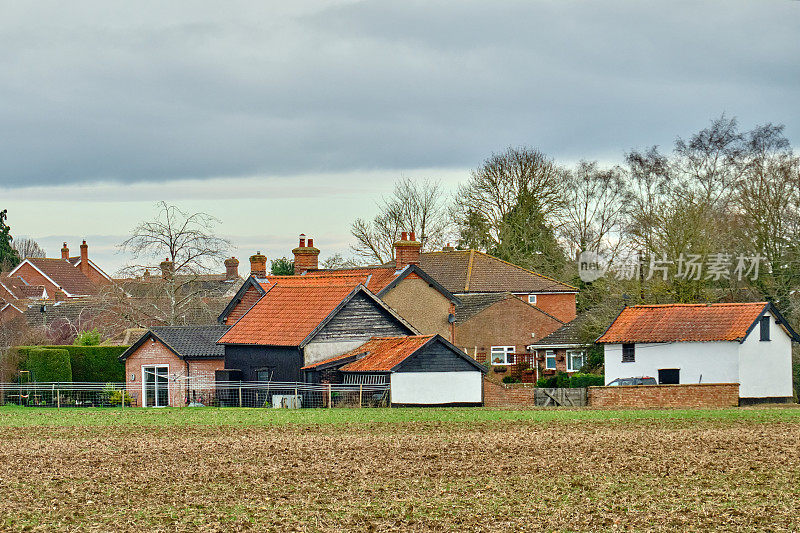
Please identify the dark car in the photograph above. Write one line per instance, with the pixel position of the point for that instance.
(644, 380)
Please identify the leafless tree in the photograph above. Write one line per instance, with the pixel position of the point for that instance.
(418, 206)
(28, 248)
(495, 188)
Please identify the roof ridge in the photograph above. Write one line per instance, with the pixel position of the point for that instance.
(717, 304)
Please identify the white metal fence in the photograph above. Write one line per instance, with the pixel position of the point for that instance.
(177, 393)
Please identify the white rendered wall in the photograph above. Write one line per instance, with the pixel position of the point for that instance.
(716, 362)
(434, 388)
(319, 351)
(765, 367)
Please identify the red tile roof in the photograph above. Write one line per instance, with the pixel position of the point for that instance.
(374, 278)
(288, 312)
(69, 278)
(683, 323)
(379, 354)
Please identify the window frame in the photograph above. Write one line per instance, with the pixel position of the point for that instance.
(632, 352)
(156, 388)
(534, 299)
(554, 357)
(582, 353)
(506, 351)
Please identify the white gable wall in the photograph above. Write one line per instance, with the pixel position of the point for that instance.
(699, 362)
(437, 388)
(765, 367)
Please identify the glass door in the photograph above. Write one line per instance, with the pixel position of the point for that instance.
(156, 386)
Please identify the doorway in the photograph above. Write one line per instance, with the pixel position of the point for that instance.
(155, 385)
(669, 376)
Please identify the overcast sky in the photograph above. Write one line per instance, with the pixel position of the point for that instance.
(296, 116)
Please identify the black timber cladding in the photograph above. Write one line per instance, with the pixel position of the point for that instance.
(284, 363)
(436, 356)
(361, 318)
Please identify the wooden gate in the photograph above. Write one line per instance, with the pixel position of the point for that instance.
(561, 397)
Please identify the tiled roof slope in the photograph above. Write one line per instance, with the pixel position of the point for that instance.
(193, 341)
(374, 278)
(683, 323)
(68, 277)
(472, 304)
(288, 313)
(568, 334)
(15, 288)
(462, 271)
(379, 354)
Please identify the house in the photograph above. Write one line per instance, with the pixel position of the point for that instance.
(86, 265)
(420, 370)
(174, 366)
(402, 285)
(494, 327)
(57, 279)
(298, 321)
(745, 343)
(564, 350)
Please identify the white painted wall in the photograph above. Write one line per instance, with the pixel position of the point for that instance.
(319, 351)
(765, 367)
(699, 362)
(435, 388)
(762, 368)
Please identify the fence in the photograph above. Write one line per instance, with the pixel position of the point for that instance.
(180, 394)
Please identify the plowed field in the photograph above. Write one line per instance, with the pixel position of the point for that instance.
(660, 473)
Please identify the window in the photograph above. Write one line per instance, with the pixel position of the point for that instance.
(532, 299)
(155, 385)
(764, 328)
(575, 360)
(550, 360)
(264, 374)
(628, 353)
(502, 355)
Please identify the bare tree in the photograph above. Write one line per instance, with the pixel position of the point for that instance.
(28, 248)
(496, 187)
(176, 293)
(417, 206)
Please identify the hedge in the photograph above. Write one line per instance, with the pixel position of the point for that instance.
(88, 363)
(49, 364)
(576, 381)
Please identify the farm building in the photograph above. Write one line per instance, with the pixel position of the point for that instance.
(420, 370)
(299, 321)
(173, 366)
(745, 343)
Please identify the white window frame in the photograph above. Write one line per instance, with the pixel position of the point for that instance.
(506, 351)
(546, 357)
(569, 359)
(532, 299)
(144, 383)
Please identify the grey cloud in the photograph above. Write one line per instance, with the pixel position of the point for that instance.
(151, 92)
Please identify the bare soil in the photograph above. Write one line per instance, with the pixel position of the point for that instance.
(490, 476)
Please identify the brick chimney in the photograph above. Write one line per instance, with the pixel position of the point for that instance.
(258, 265)
(65, 252)
(167, 269)
(306, 257)
(231, 268)
(406, 250)
(84, 266)
(448, 248)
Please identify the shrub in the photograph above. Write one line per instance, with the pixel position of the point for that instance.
(47, 364)
(89, 363)
(547, 383)
(580, 381)
(511, 379)
(88, 338)
(114, 396)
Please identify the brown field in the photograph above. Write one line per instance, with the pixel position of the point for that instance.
(596, 474)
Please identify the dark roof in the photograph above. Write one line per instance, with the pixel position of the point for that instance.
(472, 304)
(689, 323)
(69, 278)
(463, 271)
(73, 311)
(187, 342)
(569, 334)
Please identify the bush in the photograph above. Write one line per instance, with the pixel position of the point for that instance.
(511, 379)
(114, 396)
(580, 381)
(89, 363)
(88, 338)
(547, 383)
(796, 372)
(47, 364)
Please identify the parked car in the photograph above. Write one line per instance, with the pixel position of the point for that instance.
(643, 380)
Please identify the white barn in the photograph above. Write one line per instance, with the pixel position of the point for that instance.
(745, 343)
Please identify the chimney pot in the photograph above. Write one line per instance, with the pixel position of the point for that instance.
(412, 236)
(302, 240)
(404, 236)
(310, 243)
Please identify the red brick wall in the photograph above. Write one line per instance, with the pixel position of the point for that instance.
(666, 396)
(561, 306)
(203, 379)
(512, 396)
(155, 353)
(250, 297)
(96, 277)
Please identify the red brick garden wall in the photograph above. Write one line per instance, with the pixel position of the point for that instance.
(511, 396)
(665, 396)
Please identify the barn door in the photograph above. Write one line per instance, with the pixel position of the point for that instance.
(669, 376)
